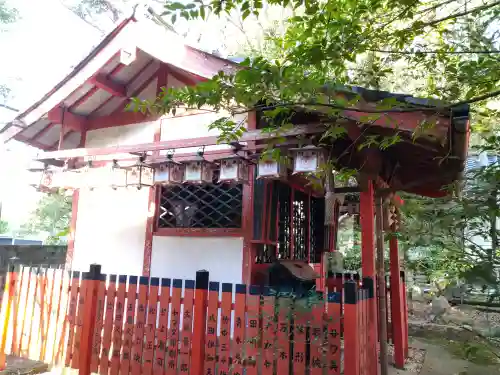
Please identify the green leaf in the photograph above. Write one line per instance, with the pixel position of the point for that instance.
(175, 6)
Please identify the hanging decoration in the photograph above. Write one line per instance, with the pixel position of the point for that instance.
(199, 170)
(234, 169)
(271, 168)
(46, 180)
(118, 176)
(170, 172)
(307, 159)
(140, 174)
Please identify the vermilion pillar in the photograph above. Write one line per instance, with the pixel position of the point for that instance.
(367, 222)
(397, 303)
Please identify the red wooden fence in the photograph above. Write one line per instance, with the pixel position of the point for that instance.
(127, 325)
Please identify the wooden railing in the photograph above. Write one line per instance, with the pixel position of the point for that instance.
(136, 325)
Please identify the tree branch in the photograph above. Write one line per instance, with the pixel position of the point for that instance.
(434, 52)
(9, 107)
(461, 14)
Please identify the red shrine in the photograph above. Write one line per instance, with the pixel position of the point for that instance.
(128, 220)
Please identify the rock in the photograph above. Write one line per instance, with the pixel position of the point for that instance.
(439, 306)
(417, 294)
(457, 317)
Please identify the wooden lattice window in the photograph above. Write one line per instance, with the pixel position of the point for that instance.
(215, 205)
(288, 223)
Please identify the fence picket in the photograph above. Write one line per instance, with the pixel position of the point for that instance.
(99, 324)
(40, 327)
(173, 332)
(71, 320)
(62, 305)
(334, 316)
(60, 345)
(79, 323)
(33, 305)
(152, 311)
(24, 308)
(225, 329)
(51, 280)
(239, 329)
(211, 337)
(15, 312)
(283, 336)
(16, 331)
(316, 339)
(8, 298)
(187, 322)
(268, 333)
(108, 326)
(300, 322)
(161, 331)
(128, 334)
(138, 346)
(253, 331)
(118, 325)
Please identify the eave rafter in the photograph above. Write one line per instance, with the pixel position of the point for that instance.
(105, 83)
(61, 115)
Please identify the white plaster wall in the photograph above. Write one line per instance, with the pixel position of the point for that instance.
(180, 257)
(111, 224)
(193, 124)
(121, 136)
(110, 230)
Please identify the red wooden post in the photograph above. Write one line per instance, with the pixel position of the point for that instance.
(387, 311)
(371, 347)
(405, 316)
(8, 298)
(200, 322)
(367, 221)
(397, 310)
(351, 330)
(92, 279)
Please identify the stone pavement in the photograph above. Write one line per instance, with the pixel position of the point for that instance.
(438, 361)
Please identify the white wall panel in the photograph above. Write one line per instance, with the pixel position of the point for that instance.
(181, 257)
(110, 230)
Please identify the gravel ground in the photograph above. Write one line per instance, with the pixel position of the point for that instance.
(23, 366)
(413, 364)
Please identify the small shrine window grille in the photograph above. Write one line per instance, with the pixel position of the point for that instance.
(215, 205)
(288, 223)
